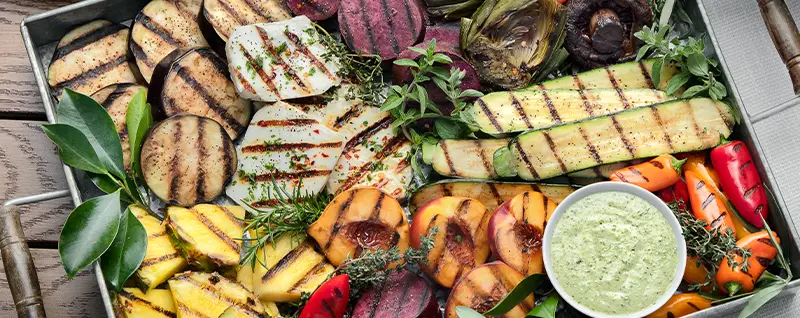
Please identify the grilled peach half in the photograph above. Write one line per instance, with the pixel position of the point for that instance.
(461, 241)
(483, 287)
(516, 229)
(357, 220)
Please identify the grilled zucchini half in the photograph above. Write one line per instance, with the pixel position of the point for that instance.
(603, 171)
(288, 267)
(210, 294)
(506, 112)
(197, 82)
(617, 76)
(115, 100)
(491, 193)
(90, 57)
(187, 159)
(156, 303)
(162, 27)
(207, 234)
(161, 259)
(225, 15)
(470, 159)
(671, 127)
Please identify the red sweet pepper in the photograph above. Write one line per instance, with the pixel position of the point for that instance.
(739, 178)
(330, 299)
(678, 192)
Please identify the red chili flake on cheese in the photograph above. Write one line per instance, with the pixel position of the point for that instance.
(324, 155)
(316, 131)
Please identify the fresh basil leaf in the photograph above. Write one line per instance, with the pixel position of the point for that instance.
(125, 255)
(391, 102)
(137, 120)
(698, 64)
(547, 309)
(694, 90)
(524, 289)
(761, 298)
(104, 183)
(450, 129)
(658, 65)
(406, 62)
(466, 312)
(88, 232)
(677, 81)
(85, 114)
(74, 148)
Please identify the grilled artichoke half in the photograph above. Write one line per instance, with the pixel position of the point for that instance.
(510, 41)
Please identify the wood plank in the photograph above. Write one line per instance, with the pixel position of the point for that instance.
(19, 96)
(29, 165)
(78, 297)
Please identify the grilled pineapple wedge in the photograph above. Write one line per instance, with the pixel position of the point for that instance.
(210, 294)
(206, 234)
(157, 303)
(287, 268)
(161, 260)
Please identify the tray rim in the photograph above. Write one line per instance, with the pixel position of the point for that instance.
(44, 91)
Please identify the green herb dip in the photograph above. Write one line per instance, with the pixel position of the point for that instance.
(614, 253)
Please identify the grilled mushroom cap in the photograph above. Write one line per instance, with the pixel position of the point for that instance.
(600, 32)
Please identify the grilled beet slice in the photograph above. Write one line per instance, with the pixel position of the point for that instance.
(383, 27)
(404, 294)
(187, 159)
(444, 33)
(162, 27)
(90, 57)
(115, 99)
(402, 74)
(225, 15)
(197, 82)
(314, 9)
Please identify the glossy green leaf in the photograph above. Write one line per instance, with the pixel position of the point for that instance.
(761, 298)
(406, 62)
(677, 81)
(658, 66)
(698, 64)
(524, 289)
(138, 120)
(466, 312)
(451, 129)
(694, 90)
(88, 232)
(126, 253)
(74, 148)
(85, 114)
(547, 309)
(107, 185)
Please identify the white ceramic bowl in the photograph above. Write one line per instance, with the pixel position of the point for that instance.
(662, 207)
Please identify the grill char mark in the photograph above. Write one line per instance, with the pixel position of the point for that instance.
(551, 107)
(367, 133)
(212, 290)
(338, 224)
(389, 148)
(304, 50)
(158, 30)
(518, 106)
(290, 175)
(285, 122)
(592, 149)
(525, 159)
(622, 136)
(284, 263)
(217, 231)
(278, 58)
(88, 38)
(202, 153)
(175, 175)
(210, 101)
(163, 258)
(450, 165)
(266, 78)
(489, 115)
(93, 73)
(646, 74)
(159, 309)
(657, 117)
(301, 146)
(388, 18)
(554, 150)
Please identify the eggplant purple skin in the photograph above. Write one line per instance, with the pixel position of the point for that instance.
(404, 294)
(383, 27)
(402, 74)
(316, 10)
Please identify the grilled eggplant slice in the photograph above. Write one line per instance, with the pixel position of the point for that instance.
(492, 194)
(207, 234)
(162, 27)
(624, 75)
(161, 260)
(505, 112)
(90, 57)
(115, 100)
(283, 144)
(287, 268)
(671, 127)
(226, 15)
(198, 83)
(604, 171)
(281, 60)
(210, 294)
(471, 159)
(156, 303)
(187, 159)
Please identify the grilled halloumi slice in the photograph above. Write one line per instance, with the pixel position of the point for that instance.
(161, 259)
(226, 15)
(207, 234)
(210, 294)
(286, 145)
(280, 60)
(115, 100)
(160, 28)
(156, 303)
(287, 268)
(90, 57)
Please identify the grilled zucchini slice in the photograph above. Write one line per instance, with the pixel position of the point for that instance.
(491, 193)
(187, 159)
(470, 159)
(623, 75)
(198, 83)
(90, 57)
(604, 171)
(115, 100)
(207, 234)
(210, 294)
(671, 127)
(287, 268)
(226, 15)
(161, 260)
(162, 27)
(156, 303)
(505, 112)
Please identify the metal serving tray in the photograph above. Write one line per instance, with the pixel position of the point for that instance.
(41, 33)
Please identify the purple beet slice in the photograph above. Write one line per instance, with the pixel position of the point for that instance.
(404, 294)
(444, 33)
(401, 74)
(316, 10)
(383, 27)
